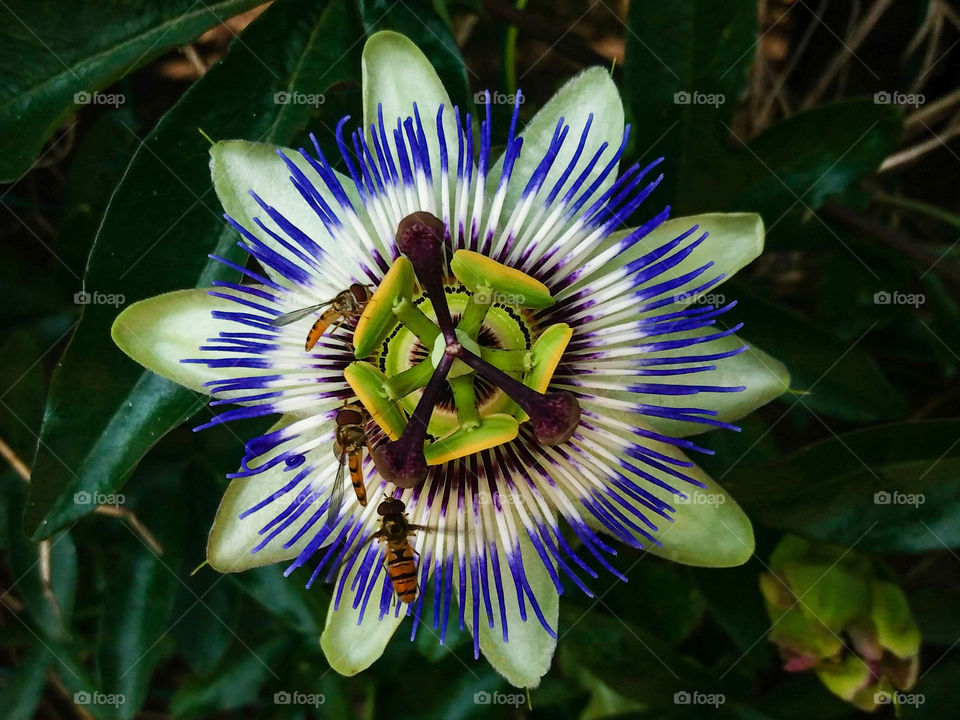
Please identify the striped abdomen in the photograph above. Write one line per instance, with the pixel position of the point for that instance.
(402, 569)
(356, 476)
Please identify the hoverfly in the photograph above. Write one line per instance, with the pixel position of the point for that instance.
(401, 564)
(347, 304)
(400, 559)
(350, 439)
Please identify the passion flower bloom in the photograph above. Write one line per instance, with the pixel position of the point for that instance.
(530, 366)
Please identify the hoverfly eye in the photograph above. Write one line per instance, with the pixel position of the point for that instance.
(385, 508)
(359, 292)
(348, 416)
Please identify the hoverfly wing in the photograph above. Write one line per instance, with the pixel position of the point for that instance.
(292, 317)
(336, 494)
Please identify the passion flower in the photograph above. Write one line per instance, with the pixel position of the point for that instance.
(529, 365)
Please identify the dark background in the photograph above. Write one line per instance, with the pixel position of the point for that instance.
(859, 197)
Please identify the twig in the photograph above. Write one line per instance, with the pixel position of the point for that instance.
(905, 157)
(109, 510)
(16, 463)
(193, 57)
(138, 527)
(932, 112)
(847, 51)
(796, 56)
(62, 691)
(937, 213)
(10, 602)
(46, 575)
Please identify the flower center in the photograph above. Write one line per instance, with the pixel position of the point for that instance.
(455, 368)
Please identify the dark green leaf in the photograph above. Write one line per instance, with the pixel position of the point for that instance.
(695, 51)
(802, 160)
(47, 56)
(234, 684)
(835, 377)
(50, 613)
(104, 411)
(203, 640)
(888, 489)
(23, 687)
(733, 600)
(299, 608)
(632, 661)
(935, 612)
(21, 394)
(139, 598)
(96, 166)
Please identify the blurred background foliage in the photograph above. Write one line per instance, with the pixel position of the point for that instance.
(837, 121)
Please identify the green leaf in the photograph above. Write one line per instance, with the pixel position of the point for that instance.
(104, 412)
(286, 598)
(686, 68)
(21, 394)
(138, 600)
(203, 641)
(47, 56)
(97, 163)
(888, 489)
(50, 614)
(807, 157)
(833, 376)
(23, 687)
(237, 682)
(671, 613)
(630, 660)
(699, 49)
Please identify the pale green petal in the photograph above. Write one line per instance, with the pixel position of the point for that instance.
(350, 647)
(590, 92)
(735, 240)
(708, 530)
(161, 331)
(395, 74)
(526, 656)
(238, 166)
(231, 540)
(764, 378)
